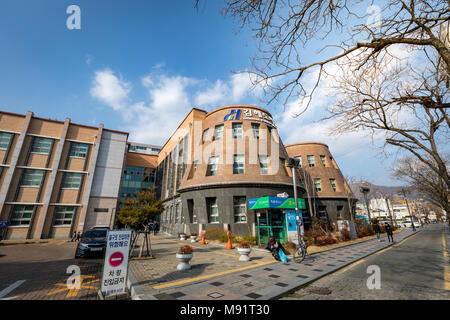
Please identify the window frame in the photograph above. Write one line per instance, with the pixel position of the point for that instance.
(333, 184)
(238, 166)
(216, 131)
(213, 205)
(261, 164)
(64, 183)
(59, 210)
(15, 210)
(234, 130)
(3, 135)
(75, 153)
(312, 163)
(239, 206)
(31, 172)
(315, 185)
(255, 129)
(210, 164)
(37, 142)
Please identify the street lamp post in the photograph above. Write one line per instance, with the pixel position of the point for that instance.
(389, 210)
(365, 191)
(409, 211)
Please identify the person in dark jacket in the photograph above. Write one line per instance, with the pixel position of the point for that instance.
(377, 230)
(274, 246)
(389, 232)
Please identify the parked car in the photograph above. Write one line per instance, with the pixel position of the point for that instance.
(92, 243)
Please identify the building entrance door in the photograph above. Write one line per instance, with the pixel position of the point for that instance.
(272, 223)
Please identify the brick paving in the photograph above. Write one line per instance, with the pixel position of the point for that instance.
(43, 266)
(150, 279)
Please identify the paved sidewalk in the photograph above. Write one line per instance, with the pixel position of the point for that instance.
(266, 279)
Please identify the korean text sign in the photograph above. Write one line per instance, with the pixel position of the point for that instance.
(116, 262)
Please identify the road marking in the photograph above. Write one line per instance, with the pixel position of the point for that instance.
(60, 243)
(176, 283)
(10, 298)
(446, 267)
(6, 291)
(74, 292)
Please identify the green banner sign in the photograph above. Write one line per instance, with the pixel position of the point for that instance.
(276, 203)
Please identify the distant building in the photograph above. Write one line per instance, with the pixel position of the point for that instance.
(57, 177)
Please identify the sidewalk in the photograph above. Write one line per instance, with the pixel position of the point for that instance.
(32, 241)
(218, 274)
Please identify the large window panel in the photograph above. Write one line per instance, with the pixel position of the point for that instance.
(64, 215)
(5, 139)
(79, 150)
(31, 178)
(21, 215)
(41, 145)
(71, 180)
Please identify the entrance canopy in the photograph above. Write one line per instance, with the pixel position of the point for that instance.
(275, 202)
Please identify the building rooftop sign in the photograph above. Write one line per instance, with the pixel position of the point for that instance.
(249, 114)
(275, 202)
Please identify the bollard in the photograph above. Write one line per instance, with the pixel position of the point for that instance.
(229, 245)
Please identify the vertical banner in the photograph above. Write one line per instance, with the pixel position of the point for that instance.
(115, 267)
(291, 222)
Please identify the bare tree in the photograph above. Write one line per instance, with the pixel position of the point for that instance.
(424, 180)
(378, 86)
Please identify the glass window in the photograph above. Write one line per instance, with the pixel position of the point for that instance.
(213, 164)
(317, 184)
(310, 160)
(41, 145)
(255, 129)
(237, 130)
(63, 215)
(21, 215)
(322, 158)
(32, 177)
(238, 164)
(78, 150)
(218, 132)
(264, 164)
(205, 133)
(195, 165)
(299, 158)
(240, 209)
(213, 211)
(333, 184)
(71, 180)
(194, 217)
(5, 139)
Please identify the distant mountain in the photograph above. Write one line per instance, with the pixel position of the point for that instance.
(381, 191)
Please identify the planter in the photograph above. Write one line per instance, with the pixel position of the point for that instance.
(184, 261)
(182, 237)
(193, 238)
(244, 252)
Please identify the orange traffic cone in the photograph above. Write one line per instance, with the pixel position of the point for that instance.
(203, 238)
(229, 245)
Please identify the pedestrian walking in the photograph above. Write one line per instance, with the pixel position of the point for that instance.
(74, 237)
(156, 227)
(78, 236)
(376, 228)
(389, 232)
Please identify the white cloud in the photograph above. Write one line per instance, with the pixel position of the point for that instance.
(111, 90)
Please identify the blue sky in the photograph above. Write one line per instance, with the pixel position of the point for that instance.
(139, 66)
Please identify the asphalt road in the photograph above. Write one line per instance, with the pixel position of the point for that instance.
(38, 271)
(417, 268)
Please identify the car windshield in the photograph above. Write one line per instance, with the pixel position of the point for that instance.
(95, 234)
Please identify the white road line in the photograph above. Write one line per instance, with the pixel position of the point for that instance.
(6, 291)
(10, 298)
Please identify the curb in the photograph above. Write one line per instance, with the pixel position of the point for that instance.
(33, 242)
(339, 268)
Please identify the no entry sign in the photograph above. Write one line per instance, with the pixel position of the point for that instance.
(116, 262)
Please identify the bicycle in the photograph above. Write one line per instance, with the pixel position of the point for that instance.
(301, 251)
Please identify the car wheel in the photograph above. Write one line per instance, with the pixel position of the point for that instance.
(77, 254)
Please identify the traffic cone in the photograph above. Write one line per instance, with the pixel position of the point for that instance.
(229, 245)
(203, 239)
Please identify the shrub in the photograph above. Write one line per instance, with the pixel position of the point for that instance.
(249, 239)
(345, 235)
(224, 237)
(214, 233)
(290, 246)
(185, 249)
(244, 244)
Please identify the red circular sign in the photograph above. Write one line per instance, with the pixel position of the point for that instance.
(116, 259)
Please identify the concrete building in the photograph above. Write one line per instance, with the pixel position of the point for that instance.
(140, 169)
(328, 193)
(214, 163)
(57, 177)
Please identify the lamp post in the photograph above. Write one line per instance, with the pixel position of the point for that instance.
(294, 164)
(365, 191)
